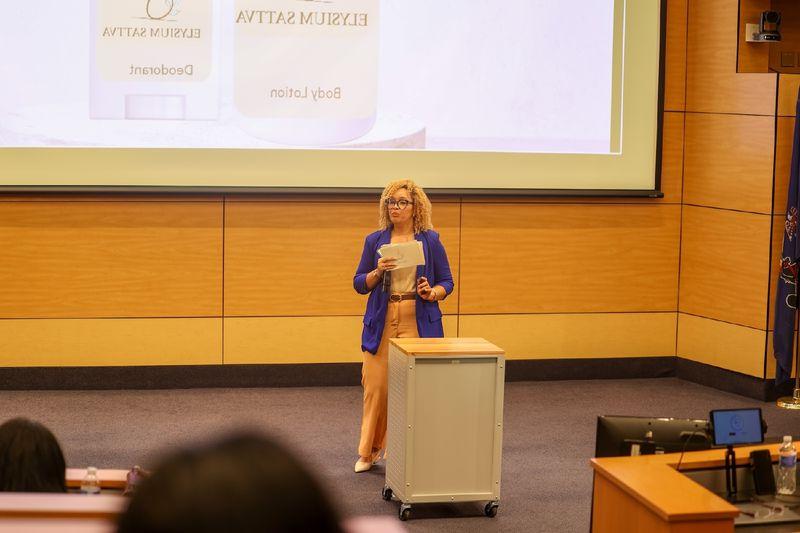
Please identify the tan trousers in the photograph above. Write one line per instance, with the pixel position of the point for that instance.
(401, 321)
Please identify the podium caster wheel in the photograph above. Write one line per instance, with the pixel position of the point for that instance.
(490, 509)
(386, 493)
(405, 512)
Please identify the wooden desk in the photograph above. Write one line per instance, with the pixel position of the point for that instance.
(646, 493)
(66, 513)
(62, 513)
(83, 513)
(109, 478)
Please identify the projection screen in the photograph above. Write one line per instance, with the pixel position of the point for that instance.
(469, 95)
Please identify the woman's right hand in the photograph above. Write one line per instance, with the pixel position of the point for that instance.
(386, 263)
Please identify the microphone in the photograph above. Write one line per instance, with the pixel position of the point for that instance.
(387, 281)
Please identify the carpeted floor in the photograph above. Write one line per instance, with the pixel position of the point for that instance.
(548, 439)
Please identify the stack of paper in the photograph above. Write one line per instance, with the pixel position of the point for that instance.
(407, 253)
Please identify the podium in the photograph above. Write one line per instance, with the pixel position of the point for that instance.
(445, 422)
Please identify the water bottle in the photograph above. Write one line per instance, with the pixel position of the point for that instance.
(90, 483)
(133, 478)
(787, 467)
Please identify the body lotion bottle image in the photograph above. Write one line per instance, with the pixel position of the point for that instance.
(155, 59)
(306, 71)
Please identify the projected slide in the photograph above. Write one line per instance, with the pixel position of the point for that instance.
(534, 76)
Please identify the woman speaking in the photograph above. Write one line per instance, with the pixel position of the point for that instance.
(403, 302)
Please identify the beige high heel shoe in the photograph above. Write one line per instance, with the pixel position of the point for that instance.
(363, 466)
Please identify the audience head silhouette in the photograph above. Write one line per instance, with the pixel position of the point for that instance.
(30, 458)
(244, 483)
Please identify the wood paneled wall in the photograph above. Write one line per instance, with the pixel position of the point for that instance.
(737, 148)
(269, 279)
(157, 280)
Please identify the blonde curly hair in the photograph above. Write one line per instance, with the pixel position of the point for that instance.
(422, 206)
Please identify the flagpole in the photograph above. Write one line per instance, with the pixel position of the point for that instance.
(793, 401)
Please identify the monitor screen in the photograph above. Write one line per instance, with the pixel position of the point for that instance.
(737, 426)
(616, 435)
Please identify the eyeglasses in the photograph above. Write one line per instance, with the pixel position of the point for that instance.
(399, 204)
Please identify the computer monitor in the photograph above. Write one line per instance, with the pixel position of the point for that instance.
(616, 435)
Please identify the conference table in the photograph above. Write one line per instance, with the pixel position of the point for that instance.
(109, 478)
(66, 513)
(647, 493)
(80, 513)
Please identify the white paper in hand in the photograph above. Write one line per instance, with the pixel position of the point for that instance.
(407, 253)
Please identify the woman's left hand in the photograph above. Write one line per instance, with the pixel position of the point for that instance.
(424, 289)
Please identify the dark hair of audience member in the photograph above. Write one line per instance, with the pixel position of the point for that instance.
(30, 458)
(245, 483)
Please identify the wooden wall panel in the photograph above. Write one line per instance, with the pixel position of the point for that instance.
(110, 259)
(784, 138)
(576, 335)
(720, 344)
(675, 56)
(298, 258)
(568, 258)
(265, 340)
(276, 340)
(672, 157)
(111, 342)
(788, 85)
(728, 161)
(104, 198)
(712, 84)
(725, 265)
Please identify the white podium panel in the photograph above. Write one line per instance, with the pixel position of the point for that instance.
(445, 425)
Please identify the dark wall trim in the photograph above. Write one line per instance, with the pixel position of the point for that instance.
(301, 375)
(349, 374)
(729, 381)
(611, 368)
(179, 377)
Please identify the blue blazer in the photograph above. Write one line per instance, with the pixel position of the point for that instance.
(436, 269)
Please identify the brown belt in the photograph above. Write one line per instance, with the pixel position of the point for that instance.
(396, 297)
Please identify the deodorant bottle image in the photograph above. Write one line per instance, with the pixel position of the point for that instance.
(306, 71)
(155, 59)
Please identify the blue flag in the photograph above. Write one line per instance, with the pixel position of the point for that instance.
(786, 301)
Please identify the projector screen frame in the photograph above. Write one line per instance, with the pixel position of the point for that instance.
(342, 191)
(656, 192)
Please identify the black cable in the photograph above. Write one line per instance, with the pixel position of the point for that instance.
(686, 443)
